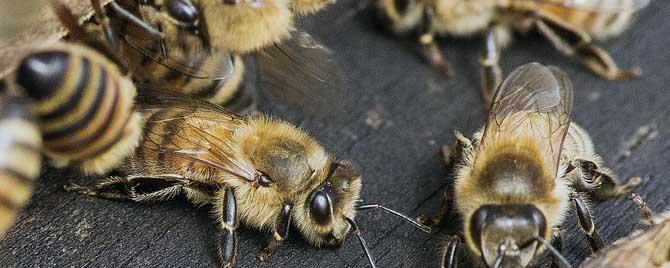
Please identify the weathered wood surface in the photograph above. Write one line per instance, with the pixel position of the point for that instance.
(404, 111)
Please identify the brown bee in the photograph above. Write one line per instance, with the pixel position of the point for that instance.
(261, 172)
(515, 179)
(643, 249)
(569, 25)
(20, 160)
(83, 101)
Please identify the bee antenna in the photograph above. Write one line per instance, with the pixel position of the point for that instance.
(553, 251)
(362, 241)
(416, 224)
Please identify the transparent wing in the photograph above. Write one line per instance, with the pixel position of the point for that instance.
(607, 6)
(302, 73)
(534, 101)
(194, 130)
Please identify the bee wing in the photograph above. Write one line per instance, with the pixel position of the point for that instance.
(194, 61)
(302, 73)
(534, 101)
(605, 6)
(645, 249)
(193, 127)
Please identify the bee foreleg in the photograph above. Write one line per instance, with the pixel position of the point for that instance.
(227, 213)
(445, 211)
(450, 257)
(587, 223)
(279, 233)
(576, 43)
(557, 243)
(600, 182)
(491, 72)
(429, 49)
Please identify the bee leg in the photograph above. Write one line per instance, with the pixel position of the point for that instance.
(227, 244)
(445, 211)
(279, 233)
(491, 72)
(600, 182)
(557, 243)
(141, 188)
(576, 43)
(587, 223)
(429, 49)
(450, 255)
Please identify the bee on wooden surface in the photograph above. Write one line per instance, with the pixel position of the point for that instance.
(20, 144)
(82, 98)
(643, 249)
(261, 172)
(515, 180)
(570, 26)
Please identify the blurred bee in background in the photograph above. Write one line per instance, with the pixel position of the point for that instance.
(570, 26)
(649, 248)
(20, 160)
(188, 45)
(82, 99)
(18, 15)
(515, 180)
(254, 170)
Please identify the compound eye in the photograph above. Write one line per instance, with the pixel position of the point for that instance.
(320, 207)
(183, 11)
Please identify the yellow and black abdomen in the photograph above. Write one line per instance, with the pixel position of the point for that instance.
(84, 106)
(594, 18)
(20, 144)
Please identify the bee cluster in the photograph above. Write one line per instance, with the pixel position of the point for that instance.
(157, 91)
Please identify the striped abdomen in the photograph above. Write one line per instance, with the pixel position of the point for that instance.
(600, 25)
(20, 144)
(83, 105)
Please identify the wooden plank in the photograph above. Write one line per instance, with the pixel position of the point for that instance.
(404, 112)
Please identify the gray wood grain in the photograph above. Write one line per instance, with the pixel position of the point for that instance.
(403, 111)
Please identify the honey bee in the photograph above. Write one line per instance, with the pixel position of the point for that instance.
(20, 161)
(570, 26)
(186, 39)
(261, 172)
(515, 179)
(82, 99)
(649, 248)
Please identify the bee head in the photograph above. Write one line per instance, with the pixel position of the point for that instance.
(506, 235)
(329, 204)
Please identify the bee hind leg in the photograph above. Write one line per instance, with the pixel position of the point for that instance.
(587, 223)
(600, 182)
(141, 188)
(226, 210)
(429, 49)
(490, 67)
(279, 233)
(576, 43)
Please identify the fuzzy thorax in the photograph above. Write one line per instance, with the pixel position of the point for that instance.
(247, 27)
(510, 170)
